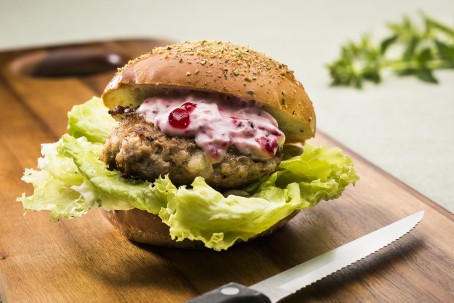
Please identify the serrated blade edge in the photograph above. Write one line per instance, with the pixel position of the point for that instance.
(300, 276)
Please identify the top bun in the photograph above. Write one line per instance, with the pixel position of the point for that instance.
(221, 67)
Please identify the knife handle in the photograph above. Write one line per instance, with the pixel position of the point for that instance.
(231, 293)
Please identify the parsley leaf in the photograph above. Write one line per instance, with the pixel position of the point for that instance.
(408, 50)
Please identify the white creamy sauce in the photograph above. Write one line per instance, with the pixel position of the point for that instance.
(215, 124)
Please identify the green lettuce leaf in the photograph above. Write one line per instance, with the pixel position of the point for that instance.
(113, 191)
(91, 120)
(71, 180)
(52, 186)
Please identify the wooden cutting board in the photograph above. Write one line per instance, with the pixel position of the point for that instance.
(86, 260)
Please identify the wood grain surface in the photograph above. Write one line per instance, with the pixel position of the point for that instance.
(86, 260)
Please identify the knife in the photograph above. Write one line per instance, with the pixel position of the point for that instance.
(288, 282)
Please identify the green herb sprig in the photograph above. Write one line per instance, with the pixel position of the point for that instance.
(409, 50)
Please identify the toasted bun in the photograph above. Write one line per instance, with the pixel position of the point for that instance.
(217, 67)
(143, 227)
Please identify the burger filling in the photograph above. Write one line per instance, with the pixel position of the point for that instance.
(231, 143)
(216, 122)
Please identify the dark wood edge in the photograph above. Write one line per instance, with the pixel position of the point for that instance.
(88, 43)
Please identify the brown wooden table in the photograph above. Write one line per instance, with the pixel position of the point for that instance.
(86, 260)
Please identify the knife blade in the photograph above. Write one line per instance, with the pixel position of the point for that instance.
(279, 286)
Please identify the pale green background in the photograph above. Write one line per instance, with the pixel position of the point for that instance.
(403, 126)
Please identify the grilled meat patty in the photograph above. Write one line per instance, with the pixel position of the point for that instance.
(141, 151)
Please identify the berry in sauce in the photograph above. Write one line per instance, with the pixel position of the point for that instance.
(268, 144)
(188, 106)
(179, 118)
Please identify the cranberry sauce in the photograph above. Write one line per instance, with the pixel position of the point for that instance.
(216, 122)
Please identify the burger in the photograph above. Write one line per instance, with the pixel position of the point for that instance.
(193, 144)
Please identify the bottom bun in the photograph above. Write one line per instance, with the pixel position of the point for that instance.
(144, 227)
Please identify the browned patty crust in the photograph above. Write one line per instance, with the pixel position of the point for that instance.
(141, 151)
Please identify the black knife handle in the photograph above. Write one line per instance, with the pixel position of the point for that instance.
(231, 293)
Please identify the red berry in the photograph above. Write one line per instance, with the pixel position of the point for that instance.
(236, 122)
(188, 106)
(179, 118)
(268, 144)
